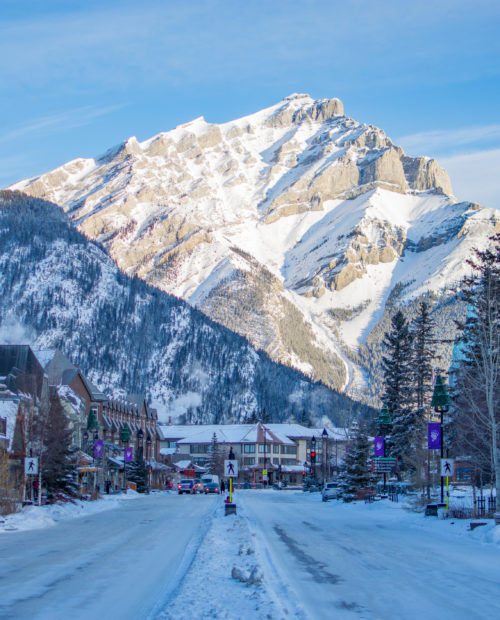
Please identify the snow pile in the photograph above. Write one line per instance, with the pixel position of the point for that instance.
(40, 517)
(226, 579)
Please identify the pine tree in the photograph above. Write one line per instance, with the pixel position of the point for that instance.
(58, 461)
(357, 472)
(215, 460)
(422, 366)
(137, 472)
(396, 367)
(423, 355)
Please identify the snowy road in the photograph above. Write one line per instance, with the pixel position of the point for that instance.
(122, 563)
(284, 556)
(334, 560)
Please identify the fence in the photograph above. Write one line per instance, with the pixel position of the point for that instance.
(485, 506)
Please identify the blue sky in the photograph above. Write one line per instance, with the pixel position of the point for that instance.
(79, 77)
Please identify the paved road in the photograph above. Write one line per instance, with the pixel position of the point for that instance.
(121, 563)
(337, 561)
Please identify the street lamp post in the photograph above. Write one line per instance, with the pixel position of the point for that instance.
(313, 456)
(140, 437)
(324, 455)
(384, 424)
(125, 438)
(441, 403)
(149, 458)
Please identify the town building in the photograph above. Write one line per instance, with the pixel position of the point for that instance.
(281, 450)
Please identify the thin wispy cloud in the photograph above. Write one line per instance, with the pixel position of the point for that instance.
(62, 121)
(449, 141)
(474, 176)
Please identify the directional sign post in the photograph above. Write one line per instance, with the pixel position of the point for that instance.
(384, 465)
(31, 466)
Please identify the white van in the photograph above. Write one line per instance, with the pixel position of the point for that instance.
(207, 478)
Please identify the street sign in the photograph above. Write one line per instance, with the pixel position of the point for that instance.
(31, 466)
(231, 468)
(384, 465)
(447, 467)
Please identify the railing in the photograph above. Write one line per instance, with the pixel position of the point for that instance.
(485, 505)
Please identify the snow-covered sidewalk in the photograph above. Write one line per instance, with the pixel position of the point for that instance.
(39, 517)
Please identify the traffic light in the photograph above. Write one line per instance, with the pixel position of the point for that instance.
(313, 457)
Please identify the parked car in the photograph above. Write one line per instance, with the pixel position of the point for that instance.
(212, 487)
(331, 490)
(208, 478)
(186, 486)
(198, 485)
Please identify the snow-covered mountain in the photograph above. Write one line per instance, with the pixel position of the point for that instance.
(60, 290)
(297, 227)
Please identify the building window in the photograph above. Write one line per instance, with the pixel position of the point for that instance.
(172, 444)
(3, 426)
(248, 460)
(288, 449)
(276, 461)
(249, 448)
(200, 448)
(261, 448)
(198, 460)
(276, 448)
(262, 460)
(288, 461)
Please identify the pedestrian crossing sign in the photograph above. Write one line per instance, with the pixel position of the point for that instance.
(231, 468)
(447, 467)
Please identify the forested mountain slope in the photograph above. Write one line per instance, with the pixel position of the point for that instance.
(64, 291)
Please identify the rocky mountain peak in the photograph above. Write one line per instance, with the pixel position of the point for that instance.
(270, 222)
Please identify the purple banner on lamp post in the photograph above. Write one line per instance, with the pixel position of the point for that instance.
(98, 448)
(434, 436)
(128, 454)
(379, 446)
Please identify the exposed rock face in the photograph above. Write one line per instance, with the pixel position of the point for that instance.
(316, 204)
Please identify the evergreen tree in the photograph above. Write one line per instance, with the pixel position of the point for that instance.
(423, 355)
(58, 459)
(357, 472)
(215, 463)
(422, 366)
(397, 371)
(265, 418)
(137, 472)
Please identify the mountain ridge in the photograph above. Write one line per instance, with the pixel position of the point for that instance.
(273, 223)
